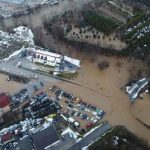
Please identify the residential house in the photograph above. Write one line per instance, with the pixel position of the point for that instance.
(6, 138)
(4, 103)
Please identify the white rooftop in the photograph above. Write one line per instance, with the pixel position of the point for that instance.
(73, 61)
(50, 54)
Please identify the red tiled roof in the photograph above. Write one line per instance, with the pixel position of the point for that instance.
(6, 137)
(4, 100)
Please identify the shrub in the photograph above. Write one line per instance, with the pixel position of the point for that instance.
(103, 65)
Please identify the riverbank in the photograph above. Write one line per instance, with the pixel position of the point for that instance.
(37, 18)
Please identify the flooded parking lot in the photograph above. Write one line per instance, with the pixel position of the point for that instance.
(76, 111)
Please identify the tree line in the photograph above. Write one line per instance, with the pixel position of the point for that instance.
(99, 22)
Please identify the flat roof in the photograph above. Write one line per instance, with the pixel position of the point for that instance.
(46, 53)
(45, 138)
(72, 60)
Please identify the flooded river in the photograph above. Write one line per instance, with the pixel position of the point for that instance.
(13, 1)
(46, 12)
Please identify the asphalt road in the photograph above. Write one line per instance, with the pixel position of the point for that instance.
(91, 137)
(10, 67)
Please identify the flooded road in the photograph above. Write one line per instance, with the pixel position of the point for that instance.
(8, 86)
(46, 12)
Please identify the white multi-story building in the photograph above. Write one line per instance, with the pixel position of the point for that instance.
(53, 59)
(47, 58)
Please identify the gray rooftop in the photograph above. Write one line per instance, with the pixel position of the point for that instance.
(45, 138)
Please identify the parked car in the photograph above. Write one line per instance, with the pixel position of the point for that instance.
(93, 107)
(24, 90)
(41, 83)
(67, 95)
(94, 120)
(16, 97)
(72, 113)
(89, 106)
(35, 87)
(84, 116)
(78, 113)
(66, 101)
(89, 125)
(101, 114)
(57, 92)
(70, 105)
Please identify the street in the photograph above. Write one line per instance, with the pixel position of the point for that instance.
(90, 137)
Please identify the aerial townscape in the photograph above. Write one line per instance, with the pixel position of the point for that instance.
(74, 75)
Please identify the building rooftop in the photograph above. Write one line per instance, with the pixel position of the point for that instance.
(45, 138)
(4, 100)
(136, 88)
(46, 53)
(6, 137)
(76, 62)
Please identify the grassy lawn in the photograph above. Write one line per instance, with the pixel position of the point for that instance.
(68, 75)
(42, 65)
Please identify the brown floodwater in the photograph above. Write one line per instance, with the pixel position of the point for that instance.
(118, 106)
(37, 18)
(8, 86)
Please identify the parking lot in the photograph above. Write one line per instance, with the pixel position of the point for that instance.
(76, 111)
(27, 91)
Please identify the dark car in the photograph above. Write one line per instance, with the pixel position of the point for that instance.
(89, 106)
(67, 95)
(78, 114)
(35, 87)
(85, 104)
(26, 97)
(16, 97)
(101, 114)
(41, 83)
(70, 105)
(25, 90)
(66, 101)
(57, 92)
(93, 107)
(84, 116)
(72, 113)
